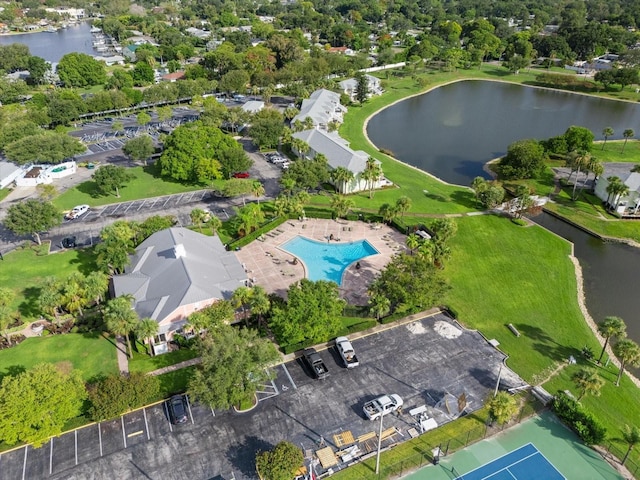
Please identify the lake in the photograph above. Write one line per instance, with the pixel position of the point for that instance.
(452, 131)
(53, 46)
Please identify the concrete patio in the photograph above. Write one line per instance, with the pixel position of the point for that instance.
(274, 269)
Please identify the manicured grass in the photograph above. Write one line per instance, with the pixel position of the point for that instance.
(23, 270)
(92, 354)
(501, 273)
(174, 382)
(142, 362)
(616, 151)
(146, 183)
(615, 407)
(4, 193)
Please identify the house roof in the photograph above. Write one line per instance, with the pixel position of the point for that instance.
(352, 83)
(319, 106)
(174, 76)
(623, 171)
(253, 106)
(176, 267)
(335, 148)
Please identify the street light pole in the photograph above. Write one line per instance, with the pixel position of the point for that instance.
(379, 445)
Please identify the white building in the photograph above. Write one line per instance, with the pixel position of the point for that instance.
(323, 107)
(68, 12)
(338, 154)
(350, 86)
(628, 204)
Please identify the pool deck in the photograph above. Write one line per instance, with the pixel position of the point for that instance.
(272, 268)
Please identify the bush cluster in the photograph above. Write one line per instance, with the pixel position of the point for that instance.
(583, 423)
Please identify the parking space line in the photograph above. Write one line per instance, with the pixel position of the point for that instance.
(189, 407)
(116, 209)
(146, 424)
(128, 207)
(76, 442)
(135, 434)
(166, 411)
(100, 438)
(212, 412)
(24, 464)
(284, 367)
(141, 205)
(275, 389)
(124, 434)
(167, 201)
(51, 456)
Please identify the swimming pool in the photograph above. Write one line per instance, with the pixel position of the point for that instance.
(327, 260)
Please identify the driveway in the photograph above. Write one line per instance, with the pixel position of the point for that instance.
(422, 361)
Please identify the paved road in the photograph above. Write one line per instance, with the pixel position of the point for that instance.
(421, 361)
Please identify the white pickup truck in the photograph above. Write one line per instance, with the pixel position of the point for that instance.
(345, 349)
(382, 405)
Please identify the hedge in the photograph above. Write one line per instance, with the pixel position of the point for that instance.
(580, 421)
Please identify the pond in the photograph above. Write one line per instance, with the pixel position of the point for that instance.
(452, 131)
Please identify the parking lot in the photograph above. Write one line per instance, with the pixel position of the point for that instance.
(421, 361)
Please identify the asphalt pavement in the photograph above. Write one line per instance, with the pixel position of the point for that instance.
(421, 361)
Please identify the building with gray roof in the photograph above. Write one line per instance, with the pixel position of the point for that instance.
(338, 154)
(628, 204)
(323, 107)
(176, 272)
(350, 86)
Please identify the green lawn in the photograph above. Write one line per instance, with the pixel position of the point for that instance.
(174, 382)
(4, 192)
(616, 151)
(92, 354)
(501, 273)
(146, 183)
(141, 362)
(615, 407)
(24, 269)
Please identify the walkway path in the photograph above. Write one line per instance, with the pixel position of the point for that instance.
(121, 352)
(177, 366)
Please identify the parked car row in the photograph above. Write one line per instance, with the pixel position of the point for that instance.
(277, 159)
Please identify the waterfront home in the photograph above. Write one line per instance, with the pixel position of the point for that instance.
(625, 204)
(350, 86)
(323, 107)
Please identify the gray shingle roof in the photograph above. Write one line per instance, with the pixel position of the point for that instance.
(319, 106)
(335, 148)
(161, 279)
(623, 171)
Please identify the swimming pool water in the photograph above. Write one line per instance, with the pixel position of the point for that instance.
(327, 260)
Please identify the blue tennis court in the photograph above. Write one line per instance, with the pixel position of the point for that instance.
(525, 463)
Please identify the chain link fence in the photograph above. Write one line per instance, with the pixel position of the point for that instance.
(616, 453)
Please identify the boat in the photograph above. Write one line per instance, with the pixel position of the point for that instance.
(51, 29)
(95, 30)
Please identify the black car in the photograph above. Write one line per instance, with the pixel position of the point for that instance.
(177, 407)
(69, 242)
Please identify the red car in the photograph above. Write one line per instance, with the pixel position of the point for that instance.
(241, 175)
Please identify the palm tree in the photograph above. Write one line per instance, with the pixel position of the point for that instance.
(582, 160)
(341, 176)
(288, 185)
(627, 134)
(341, 205)
(259, 302)
(308, 123)
(96, 285)
(257, 189)
(74, 293)
(413, 241)
(198, 217)
(612, 187)
(606, 133)
(214, 223)
(290, 113)
(379, 305)
(145, 330)
(426, 251)
(403, 204)
(121, 318)
(611, 327)
(479, 185)
(618, 190)
(628, 352)
(371, 174)
(631, 435)
(250, 217)
(587, 380)
(388, 212)
(595, 166)
(241, 298)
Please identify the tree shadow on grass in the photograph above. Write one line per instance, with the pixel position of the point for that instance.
(559, 353)
(12, 371)
(465, 198)
(29, 307)
(85, 261)
(243, 456)
(90, 188)
(534, 333)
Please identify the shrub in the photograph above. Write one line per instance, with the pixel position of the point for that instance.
(117, 394)
(583, 423)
